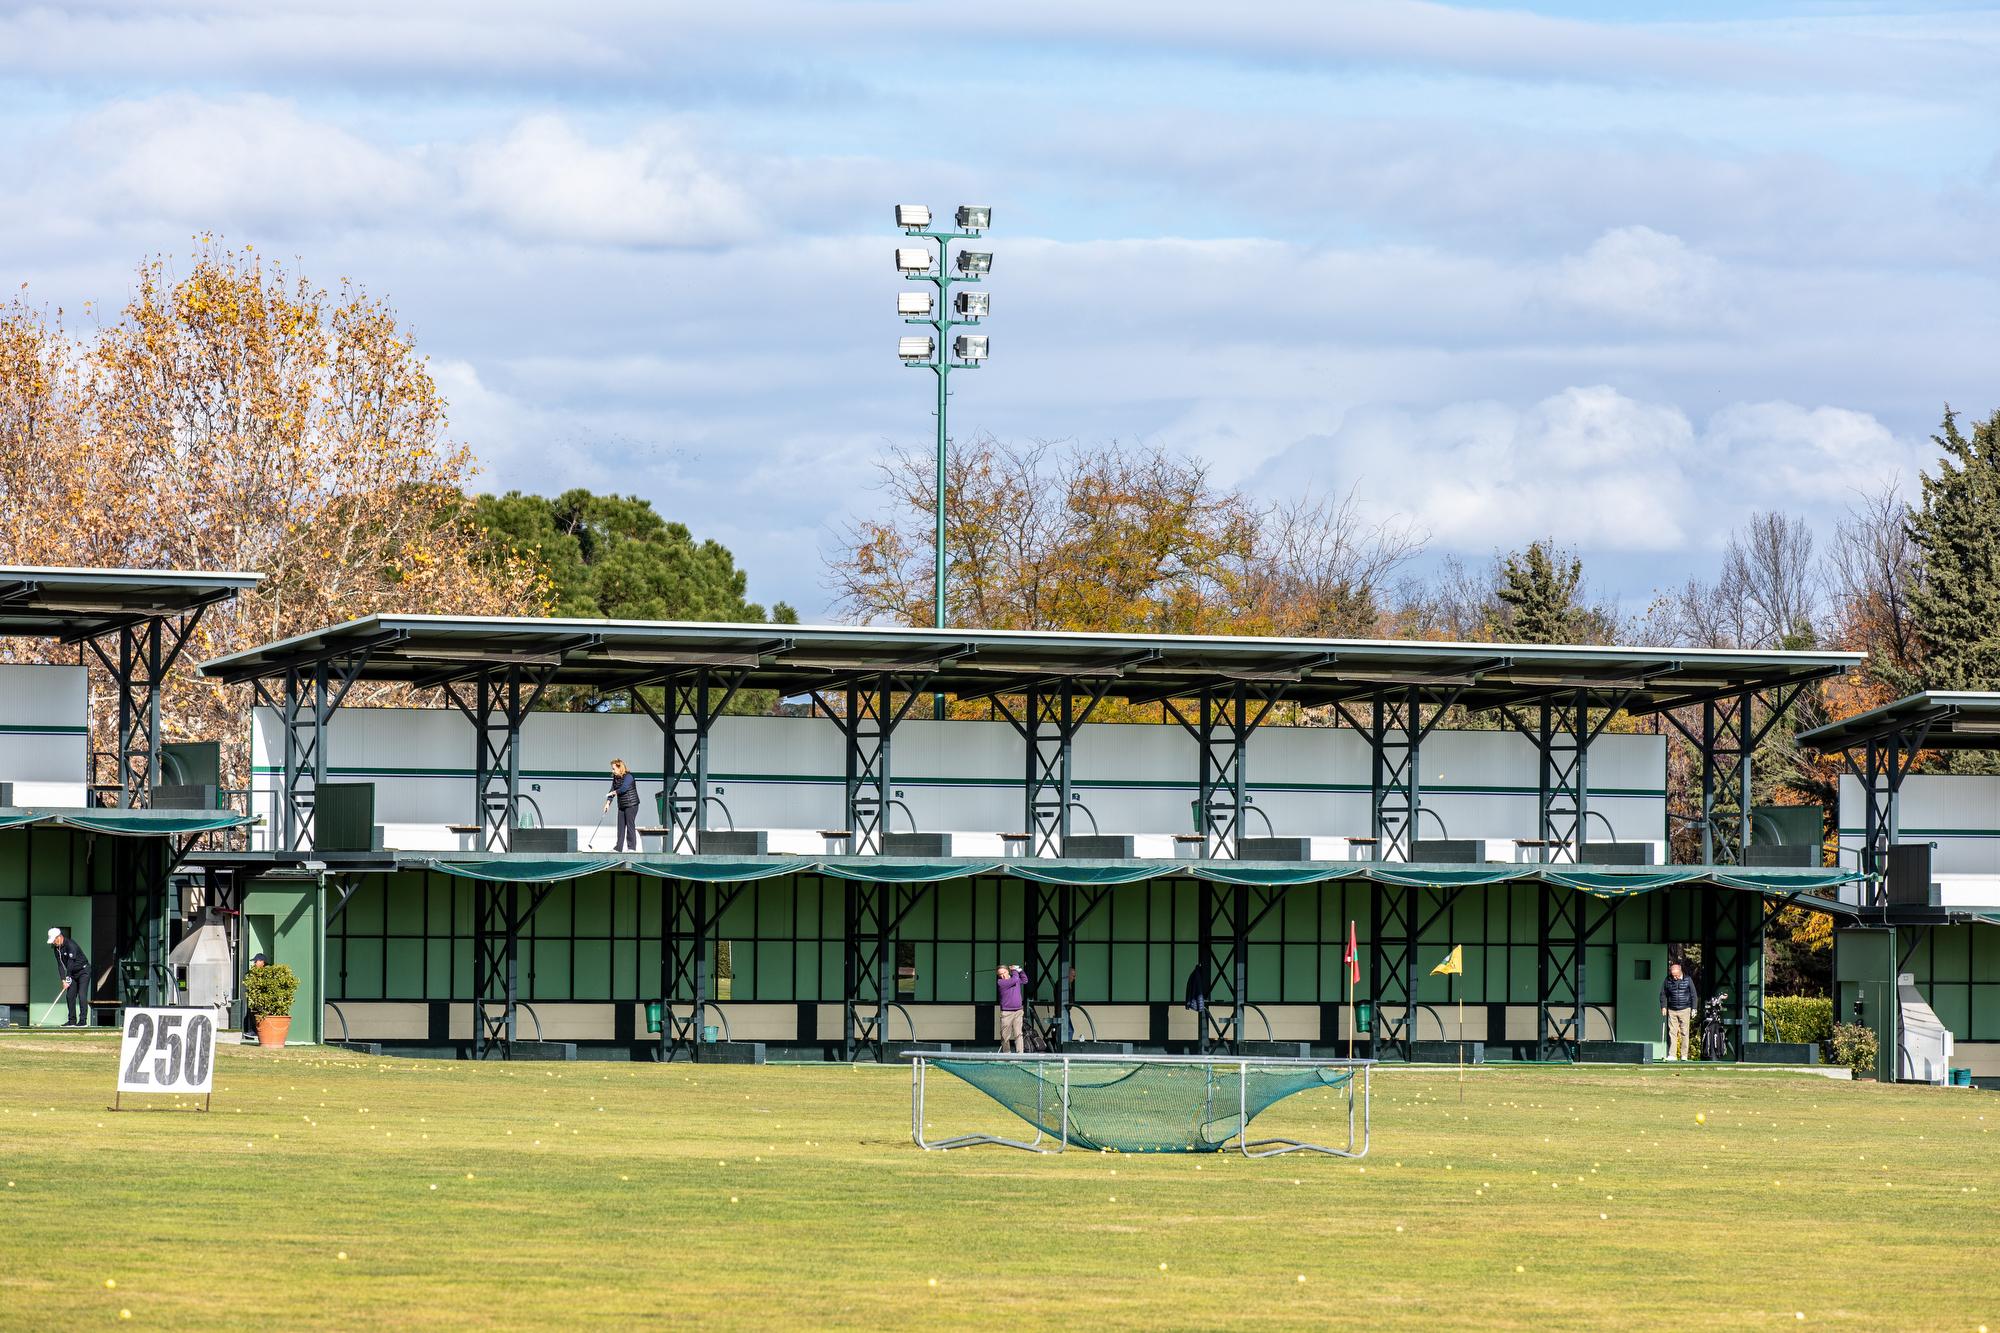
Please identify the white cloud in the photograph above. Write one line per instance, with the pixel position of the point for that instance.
(545, 181)
(254, 158)
(1641, 275)
(1595, 468)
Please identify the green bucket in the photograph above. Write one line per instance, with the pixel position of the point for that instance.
(652, 1016)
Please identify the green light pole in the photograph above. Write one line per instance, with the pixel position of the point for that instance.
(938, 311)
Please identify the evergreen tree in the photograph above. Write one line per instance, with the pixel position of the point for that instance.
(1540, 589)
(1956, 605)
(614, 557)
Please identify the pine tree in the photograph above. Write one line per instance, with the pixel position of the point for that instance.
(1540, 588)
(1956, 530)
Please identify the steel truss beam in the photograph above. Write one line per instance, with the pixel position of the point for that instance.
(496, 702)
(867, 725)
(1396, 731)
(1223, 723)
(1055, 912)
(1229, 912)
(498, 918)
(1729, 735)
(1048, 723)
(874, 910)
(305, 698)
(692, 702)
(689, 911)
(1562, 734)
(1561, 944)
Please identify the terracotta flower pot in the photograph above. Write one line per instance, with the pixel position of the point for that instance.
(271, 1029)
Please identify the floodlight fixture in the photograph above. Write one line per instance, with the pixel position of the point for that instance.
(913, 259)
(915, 349)
(970, 346)
(909, 216)
(974, 217)
(974, 305)
(975, 261)
(913, 305)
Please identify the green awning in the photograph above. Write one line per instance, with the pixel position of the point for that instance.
(526, 869)
(1442, 877)
(1055, 872)
(889, 871)
(1794, 885)
(715, 870)
(128, 823)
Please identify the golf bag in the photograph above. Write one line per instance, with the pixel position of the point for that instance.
(1714, 1033)
(1034, 1039)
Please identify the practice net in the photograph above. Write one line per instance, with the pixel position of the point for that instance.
(1148, 1104)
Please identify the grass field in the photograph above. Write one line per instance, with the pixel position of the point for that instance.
(490, 1195)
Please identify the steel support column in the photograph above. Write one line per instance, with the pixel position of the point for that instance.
(1048, 725)
(689, 912)
(691, 703)
(498, 918)
(305, 700)
(1222, 726)
(1561, 954)
(1053, 915)
(496, 700)
(1396, 730)
(1729, 735)
(1562, 734)
(1392, 969)
(138, 657)
(867, 726)
(1883, 765)
(868, 971)
(1732, 954)
(1559, 973)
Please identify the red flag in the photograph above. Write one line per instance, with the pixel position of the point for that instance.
(1353, 959)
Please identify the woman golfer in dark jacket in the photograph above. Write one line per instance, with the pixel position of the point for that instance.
(625, 791)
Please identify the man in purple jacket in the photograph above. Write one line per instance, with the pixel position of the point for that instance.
(1012, 983)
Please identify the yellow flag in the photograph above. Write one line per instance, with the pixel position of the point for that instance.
(1453, 965)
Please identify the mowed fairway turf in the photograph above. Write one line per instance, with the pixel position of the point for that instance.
(531, 1195)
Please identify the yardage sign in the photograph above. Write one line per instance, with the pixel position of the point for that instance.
(167, 1050)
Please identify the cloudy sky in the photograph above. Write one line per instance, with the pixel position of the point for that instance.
(1618, 273)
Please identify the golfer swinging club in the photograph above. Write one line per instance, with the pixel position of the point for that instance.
(75, 970)
(625, 791)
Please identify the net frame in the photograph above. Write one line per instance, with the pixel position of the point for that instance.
(1358, 1108)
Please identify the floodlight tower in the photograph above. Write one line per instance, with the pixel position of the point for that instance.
(942, 311)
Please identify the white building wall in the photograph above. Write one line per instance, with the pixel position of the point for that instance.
(785, 775)
(1958, 814)
(45, 734)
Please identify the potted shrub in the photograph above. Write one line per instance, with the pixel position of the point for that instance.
(268, 992)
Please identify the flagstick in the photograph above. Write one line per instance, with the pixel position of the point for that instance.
(1461, 1050)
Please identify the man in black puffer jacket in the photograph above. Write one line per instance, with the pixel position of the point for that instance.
(1677, 1002)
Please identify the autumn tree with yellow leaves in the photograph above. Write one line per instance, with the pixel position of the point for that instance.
(238, 417)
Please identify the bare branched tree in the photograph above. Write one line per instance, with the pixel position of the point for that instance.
(1874, 566)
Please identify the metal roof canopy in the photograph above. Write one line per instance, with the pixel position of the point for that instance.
(135, 622)
(978, 664)
(74, 605)
(1219, 689)
(1882, 745)
(1942, 719)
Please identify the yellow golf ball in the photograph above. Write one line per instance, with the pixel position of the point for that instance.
(1700, 1119)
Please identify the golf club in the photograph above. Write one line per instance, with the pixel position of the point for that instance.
(50, 1012)
(590, 843)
